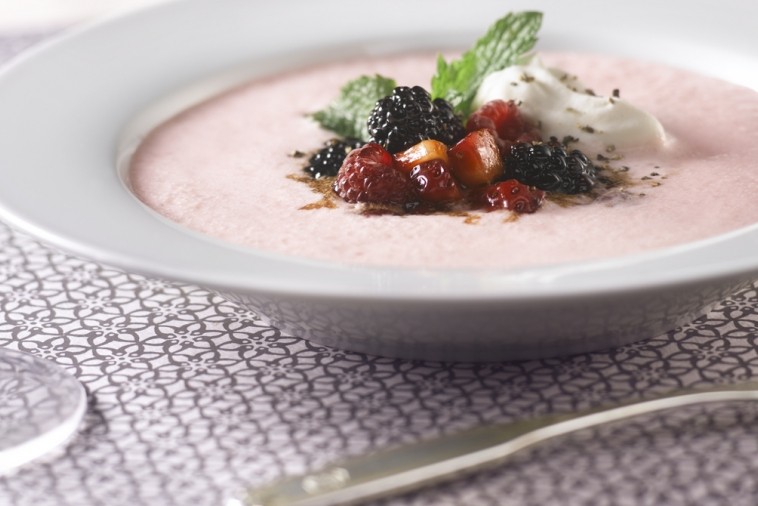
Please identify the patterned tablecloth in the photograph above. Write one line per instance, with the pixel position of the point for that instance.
(191, 397)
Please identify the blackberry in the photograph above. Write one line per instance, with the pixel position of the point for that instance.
(549, 167)
(409, 115)
(327, 161)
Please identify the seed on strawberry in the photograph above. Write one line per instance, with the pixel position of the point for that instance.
(368, 175)
(510, 194)
(435, 183)
(421, 152)
(475, 160)
(505, 120)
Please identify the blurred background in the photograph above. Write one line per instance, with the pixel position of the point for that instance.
(35, 15)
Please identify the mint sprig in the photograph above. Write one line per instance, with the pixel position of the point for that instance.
(347, 114)
(510, 37)
(457, 82)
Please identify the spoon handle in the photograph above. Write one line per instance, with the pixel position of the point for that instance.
(397, 470)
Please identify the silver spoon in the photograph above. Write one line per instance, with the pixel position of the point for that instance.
(397, 470)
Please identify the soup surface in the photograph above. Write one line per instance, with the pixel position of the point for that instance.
(225, 167)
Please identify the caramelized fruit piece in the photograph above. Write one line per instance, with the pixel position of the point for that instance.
(435, 183)
(511, 195)
(503, 118)
(424, 151)
(475, 159)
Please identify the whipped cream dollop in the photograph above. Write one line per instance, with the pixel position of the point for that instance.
(560, 105)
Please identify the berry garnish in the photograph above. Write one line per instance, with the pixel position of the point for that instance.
(504, 118)
(549, 167)
(408, 116)
(475, 160)
(327, 161)
(511, 195)
(424, 151)
(434, 183)
(368, 175)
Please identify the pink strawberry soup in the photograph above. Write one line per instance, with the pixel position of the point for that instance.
(225, 168)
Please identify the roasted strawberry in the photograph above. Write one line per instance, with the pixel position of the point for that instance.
(368, 175)
(421, 152)
(435, 183)
(475, 160)
(511, 195)
(505, 120)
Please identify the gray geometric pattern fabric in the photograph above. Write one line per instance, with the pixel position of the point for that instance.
(36, 397)
(191, 398)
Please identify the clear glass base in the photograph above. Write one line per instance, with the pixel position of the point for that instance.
(41, 407)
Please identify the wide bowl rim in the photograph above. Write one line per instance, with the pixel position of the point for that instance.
(221, 266)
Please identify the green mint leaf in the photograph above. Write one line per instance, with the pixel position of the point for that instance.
(347, 114)
(509, 38)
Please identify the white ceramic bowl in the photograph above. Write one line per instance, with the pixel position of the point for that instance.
(72, 111)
